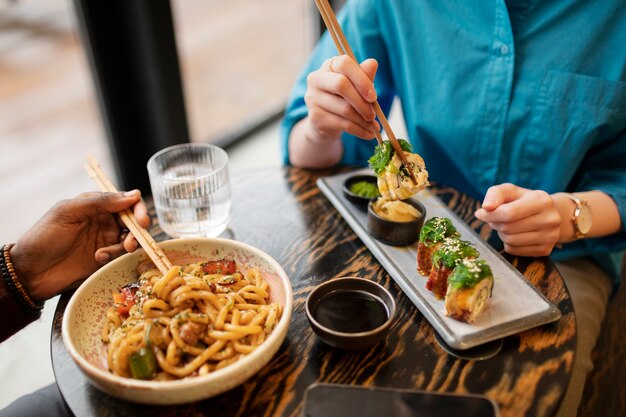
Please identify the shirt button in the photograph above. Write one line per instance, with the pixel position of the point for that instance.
(504, 49)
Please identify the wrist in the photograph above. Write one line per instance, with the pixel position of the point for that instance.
(565, 207)
(313, 135)
(309, 149)
(18, 287)
(21, 263)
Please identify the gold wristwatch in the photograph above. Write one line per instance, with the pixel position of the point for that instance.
(581, 220)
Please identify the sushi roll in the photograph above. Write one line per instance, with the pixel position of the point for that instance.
(449, 255)
(433, 232)
(469, 288)
(395, 182)
(394, 179)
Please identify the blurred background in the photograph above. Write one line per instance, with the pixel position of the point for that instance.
(237, 61)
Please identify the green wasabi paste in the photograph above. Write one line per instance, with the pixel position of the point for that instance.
(365, 189)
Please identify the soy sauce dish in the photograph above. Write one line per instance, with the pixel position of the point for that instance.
(350, 312)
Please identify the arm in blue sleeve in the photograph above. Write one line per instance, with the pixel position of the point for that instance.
(358, 19)
(604, 169)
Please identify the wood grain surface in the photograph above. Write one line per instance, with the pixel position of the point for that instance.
(282, 212)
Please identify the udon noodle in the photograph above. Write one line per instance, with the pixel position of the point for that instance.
(191, 321)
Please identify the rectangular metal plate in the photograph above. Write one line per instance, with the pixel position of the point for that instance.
(515, 305)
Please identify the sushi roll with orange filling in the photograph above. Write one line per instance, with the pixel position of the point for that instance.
(449, 255)
(433, 232)
(469, 288)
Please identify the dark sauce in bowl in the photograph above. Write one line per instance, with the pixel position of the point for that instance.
(350, 311)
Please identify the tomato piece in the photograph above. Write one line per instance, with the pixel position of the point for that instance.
(223, 266)
(125, 299)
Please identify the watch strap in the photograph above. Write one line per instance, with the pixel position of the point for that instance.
(580, 202)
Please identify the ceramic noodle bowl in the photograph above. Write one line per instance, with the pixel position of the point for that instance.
(85, 317)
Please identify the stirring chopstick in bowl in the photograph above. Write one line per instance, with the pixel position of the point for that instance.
(343, 47)
(128, 218)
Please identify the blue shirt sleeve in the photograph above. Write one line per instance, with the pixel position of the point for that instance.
(604, 170)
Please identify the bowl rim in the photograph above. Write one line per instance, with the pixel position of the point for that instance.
(411, 201)
(357, 335)
(246, 362)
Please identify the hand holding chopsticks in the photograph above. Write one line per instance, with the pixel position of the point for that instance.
(143, 237)
(344, 48)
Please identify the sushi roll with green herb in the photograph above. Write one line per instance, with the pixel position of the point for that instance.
(433, 232)
(446, 258)
(394, 179)
(469, 288)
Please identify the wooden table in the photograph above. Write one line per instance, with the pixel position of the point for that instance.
(282, 212)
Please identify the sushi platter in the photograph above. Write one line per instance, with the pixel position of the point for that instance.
(515, 305)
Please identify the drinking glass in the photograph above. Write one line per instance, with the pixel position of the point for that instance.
(191, 189)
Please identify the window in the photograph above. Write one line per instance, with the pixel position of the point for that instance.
(239, 60)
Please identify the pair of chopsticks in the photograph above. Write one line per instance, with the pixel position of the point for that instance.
(339, 38)
(143, 237)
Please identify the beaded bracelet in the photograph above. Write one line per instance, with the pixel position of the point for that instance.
(14, 284)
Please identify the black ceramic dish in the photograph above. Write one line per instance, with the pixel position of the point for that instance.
(395, 233)
(356, 199)
(350, 312)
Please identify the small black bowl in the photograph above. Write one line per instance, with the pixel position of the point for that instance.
(395, 233)
(350, 312)
(356, 199)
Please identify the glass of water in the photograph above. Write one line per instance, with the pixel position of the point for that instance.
(191, 190)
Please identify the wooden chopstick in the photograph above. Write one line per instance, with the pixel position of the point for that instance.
(143, 237)
(343, 47)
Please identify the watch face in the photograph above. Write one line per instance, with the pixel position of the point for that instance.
(584, 219)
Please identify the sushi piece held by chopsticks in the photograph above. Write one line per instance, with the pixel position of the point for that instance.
(398, 181)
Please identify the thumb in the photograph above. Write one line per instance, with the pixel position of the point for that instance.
(500, 194)
(370, 66)
(94, 204)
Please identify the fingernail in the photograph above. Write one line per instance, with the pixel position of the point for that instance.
(371, 94)
(132, 193)
(489, 203)
(104, 257)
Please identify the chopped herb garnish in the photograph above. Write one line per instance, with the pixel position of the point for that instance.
(469, 273)
(453, 251)
(383, 154)
(436, 230)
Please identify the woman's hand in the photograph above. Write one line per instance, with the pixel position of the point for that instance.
(339, 98)
(73, 239)
(527, 221)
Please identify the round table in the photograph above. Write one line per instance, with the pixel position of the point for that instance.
(282, 212)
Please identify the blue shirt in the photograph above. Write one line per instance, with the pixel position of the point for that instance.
(528, 92)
